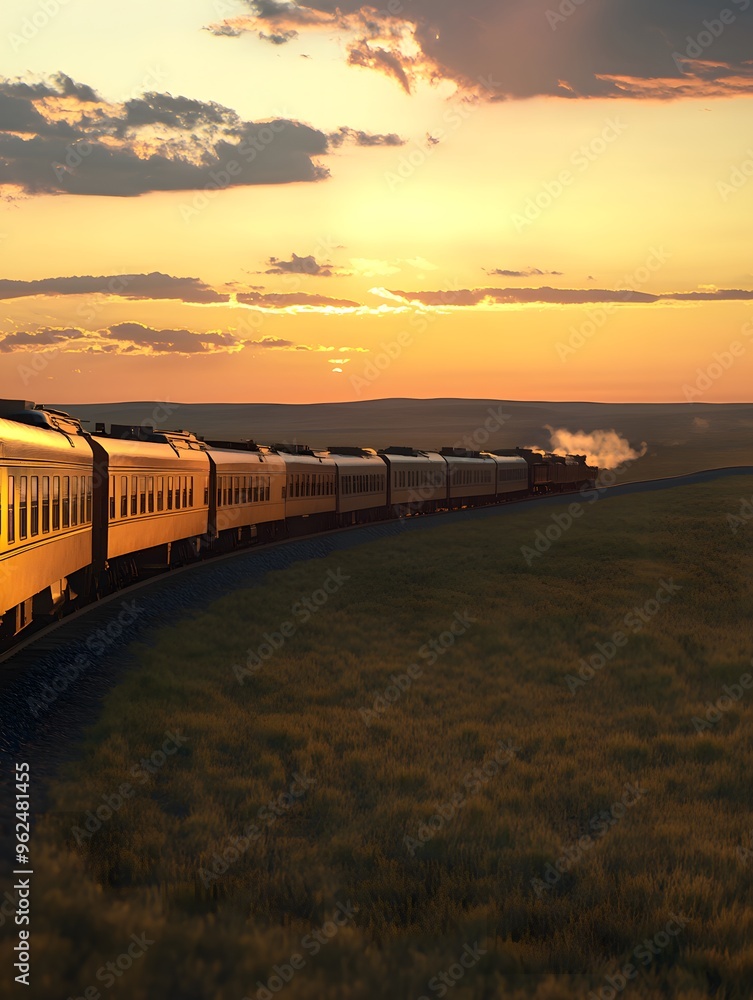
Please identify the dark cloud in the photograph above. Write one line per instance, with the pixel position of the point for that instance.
(525, 48)
(135, 339)
(45, 338)
(58, 85)
(176, 112)
(171, 341)
(279, 38)
(156, 142)
(563, 296)
(345, 134)
(129, 286)
(280, 300)
(299, 265)
(529, 272)
(271, 343)
(224, 30)
(114, 150)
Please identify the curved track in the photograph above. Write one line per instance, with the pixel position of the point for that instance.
(41, 639)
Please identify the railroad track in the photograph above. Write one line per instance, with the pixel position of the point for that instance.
(44, 639)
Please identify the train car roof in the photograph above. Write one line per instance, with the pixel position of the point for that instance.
(508, 459)
(229, 460)
(359, 462)
(151, 454)
(307, 461)
(400, 455)
(23, 442)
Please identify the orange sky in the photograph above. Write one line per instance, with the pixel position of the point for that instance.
(287, 208)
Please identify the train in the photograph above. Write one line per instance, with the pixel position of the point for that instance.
(84, 513)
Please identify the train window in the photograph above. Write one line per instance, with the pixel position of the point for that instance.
(89, 489)
(124, 496)
(22, 508)
(142, 494)
(134, 498)
(236, 489)
(267, 487)
(190, 491)
(206, 492)
(178, 486)
(150, 494)
(219, 491)
(11, 508)
(45, 504)
(254, 491)
(244, 489)
(34, 505)
(160, 493)
(56, 503)
(112, 498)
(66, 501)
(184, 487)
(74, 501)
(169, 492)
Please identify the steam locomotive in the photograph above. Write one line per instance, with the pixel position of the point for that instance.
(84, 514)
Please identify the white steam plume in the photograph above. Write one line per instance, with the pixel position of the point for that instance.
(603, 448)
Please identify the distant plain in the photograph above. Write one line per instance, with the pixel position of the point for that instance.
(679, 437)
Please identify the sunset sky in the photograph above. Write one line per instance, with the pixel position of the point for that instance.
(225, 200)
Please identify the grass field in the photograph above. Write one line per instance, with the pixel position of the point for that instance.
(430, 766)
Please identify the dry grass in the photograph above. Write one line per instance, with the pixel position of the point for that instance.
(675, 850)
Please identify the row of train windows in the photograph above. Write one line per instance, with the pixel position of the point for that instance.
(145, 494)
(232, 490)
(473, 477)
(57, 503)
(408, 479)
(312, 484)
(363, 484)
(510, 474)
